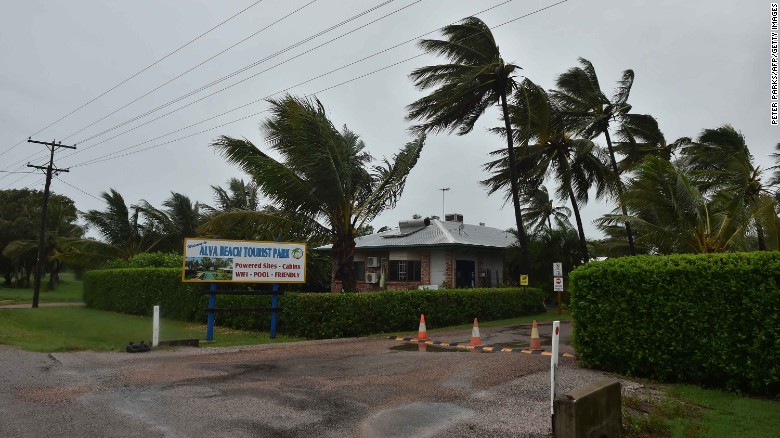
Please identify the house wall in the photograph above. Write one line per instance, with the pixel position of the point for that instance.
(437, 267)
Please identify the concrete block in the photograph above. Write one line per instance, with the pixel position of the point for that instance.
(592, 411)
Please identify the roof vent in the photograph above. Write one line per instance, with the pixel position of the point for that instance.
(481, 224)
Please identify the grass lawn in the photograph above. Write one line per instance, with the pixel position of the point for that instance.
(68, 290)
(688, 411)
(73, 328)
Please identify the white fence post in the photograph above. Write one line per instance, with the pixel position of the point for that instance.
(556, 329)
(156, 326)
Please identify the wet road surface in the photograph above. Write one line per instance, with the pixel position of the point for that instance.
(334, 388)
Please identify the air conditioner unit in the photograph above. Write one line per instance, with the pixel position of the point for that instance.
(372, 277)
(372, 262)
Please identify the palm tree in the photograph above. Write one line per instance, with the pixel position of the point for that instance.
(722, 165)
(325, 187)
(575, 164)
(540, 209)
(121, 227)
(238, 196)
(178, 219)
(475, 79)
(674, 215)
(590, 113)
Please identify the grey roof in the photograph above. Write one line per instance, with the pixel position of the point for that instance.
(438, 233)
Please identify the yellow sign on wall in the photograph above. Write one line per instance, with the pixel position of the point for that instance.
(523, 280)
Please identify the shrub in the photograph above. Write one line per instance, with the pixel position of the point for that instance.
(712, 320)
(312, 315)
(148, 260)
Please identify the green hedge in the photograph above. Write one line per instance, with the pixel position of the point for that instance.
(311, 315)
(712, 320)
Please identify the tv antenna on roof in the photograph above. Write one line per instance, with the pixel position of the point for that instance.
(444, 189)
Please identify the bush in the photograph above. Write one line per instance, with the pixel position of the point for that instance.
(712, 320)
(311, 315)
(148, 260)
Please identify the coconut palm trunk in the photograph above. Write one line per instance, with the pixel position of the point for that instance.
(525, 259)
(619, 184)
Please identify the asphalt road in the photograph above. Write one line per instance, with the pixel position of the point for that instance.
(334, 388)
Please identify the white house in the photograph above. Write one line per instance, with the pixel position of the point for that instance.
(432, 253)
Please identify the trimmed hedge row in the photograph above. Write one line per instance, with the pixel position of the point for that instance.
(712, 320)
(311, 315)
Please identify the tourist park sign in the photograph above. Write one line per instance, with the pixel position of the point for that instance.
(243, 261)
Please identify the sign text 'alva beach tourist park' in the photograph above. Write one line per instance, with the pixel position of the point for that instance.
(214, 261)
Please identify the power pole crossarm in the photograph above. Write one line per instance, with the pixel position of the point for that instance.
(50, 171)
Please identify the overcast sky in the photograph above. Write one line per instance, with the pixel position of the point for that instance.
(698, 64)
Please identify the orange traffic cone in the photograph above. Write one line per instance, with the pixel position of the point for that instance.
(422, 334)
(536, 344)
(475, 340)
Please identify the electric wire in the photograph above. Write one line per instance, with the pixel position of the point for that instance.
(133, 76)
(114, 155)
(227, 77)
(80, 190)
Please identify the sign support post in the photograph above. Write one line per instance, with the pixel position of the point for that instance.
(212, 304)
(274, 303)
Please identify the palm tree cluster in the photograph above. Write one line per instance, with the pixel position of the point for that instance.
(711, 198)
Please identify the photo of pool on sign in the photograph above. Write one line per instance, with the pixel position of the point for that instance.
(208, 268)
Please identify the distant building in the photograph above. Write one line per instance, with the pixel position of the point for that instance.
(430, 253)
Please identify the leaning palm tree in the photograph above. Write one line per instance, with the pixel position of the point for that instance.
(721, 163)
(575, 164)
(121, 227)
(326, 186)
(540, 210)
(674, 215)
(238, 195)
(178, 219)
(590, 113)
(475, 79)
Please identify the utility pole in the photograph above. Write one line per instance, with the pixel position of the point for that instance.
(50, 171)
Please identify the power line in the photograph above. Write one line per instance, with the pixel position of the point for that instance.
(71, 185)
(246, 79)
(134, 75)
(120, 108)
(228, 76)
(111, 156)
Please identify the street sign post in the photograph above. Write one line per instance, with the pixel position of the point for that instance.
(558, 287)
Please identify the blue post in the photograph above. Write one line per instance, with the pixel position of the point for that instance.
(274, 302)
(274, 305)
(212, 304)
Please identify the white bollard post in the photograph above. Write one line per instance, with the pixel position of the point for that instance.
(556, 329)
(156, 326)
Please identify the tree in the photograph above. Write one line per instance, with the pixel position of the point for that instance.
(540, 210)
(475, 79)
(121, 227)
(673, 214)
(722, 165)
(575, 164)
(238, 196)
(590, 113)
(325, 186)
(19, 227)
(178, 219)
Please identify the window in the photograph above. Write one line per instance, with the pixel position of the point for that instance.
(405, 270)
(360, 271)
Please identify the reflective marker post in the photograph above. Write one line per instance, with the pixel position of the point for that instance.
(556, 329)
(155, 326)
